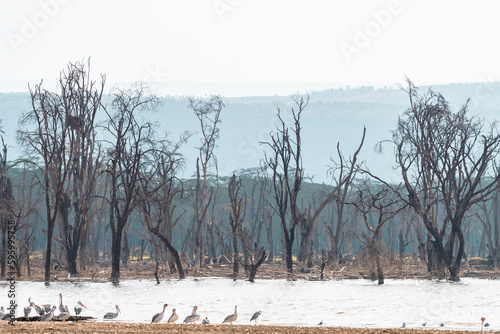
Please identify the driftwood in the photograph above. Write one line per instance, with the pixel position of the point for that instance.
(71, 318)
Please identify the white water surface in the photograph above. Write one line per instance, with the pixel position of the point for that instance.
(353, 303)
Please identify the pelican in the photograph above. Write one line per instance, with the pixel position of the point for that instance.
(232, 317)
(62, 308)
(193, 317)
(255, 316)
(39, 310)
(78, 308)
(173, 317)
(48, 316)
(63, 316)
(111, 315)
(205, 321)
(159, 316)
(27, 309)
(46, 307)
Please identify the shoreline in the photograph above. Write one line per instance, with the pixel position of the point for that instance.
(113, 327)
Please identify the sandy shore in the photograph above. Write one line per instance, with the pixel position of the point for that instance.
(100, 327)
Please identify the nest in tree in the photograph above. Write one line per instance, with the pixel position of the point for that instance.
(75, 122)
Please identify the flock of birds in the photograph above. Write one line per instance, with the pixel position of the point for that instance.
(193, 317)
(47, 313)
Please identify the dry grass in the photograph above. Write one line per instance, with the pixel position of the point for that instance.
(100, 327)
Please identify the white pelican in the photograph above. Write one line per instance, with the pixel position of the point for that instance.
(27, 309)
(39, 310)
(193, 317)
(62, 308)
(232, 317)
(48, 316)
(159, 316)
(78, 308)
(62, 316)
(111, 315)
(205, 321)
(46, 307)
(255, 316)
(173, 317)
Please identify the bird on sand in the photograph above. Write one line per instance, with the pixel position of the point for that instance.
(193, 317)
(112, 315)
(159, 316)
(173, 317)
(232, 317)
(255, 316)
(205, 321)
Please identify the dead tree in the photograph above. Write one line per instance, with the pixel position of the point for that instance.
(347, 170)
(44, 133)
(285, 161)
(160, 186)
(445, 158)
(237, 201)
(208, 114)
(129, 143)
(379, 206)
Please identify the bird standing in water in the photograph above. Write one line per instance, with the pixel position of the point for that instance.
(232, 317)
(112, 315)
(159, 316)
(173, 318)
(255, 316)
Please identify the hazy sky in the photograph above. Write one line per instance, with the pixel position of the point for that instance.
(313, 43)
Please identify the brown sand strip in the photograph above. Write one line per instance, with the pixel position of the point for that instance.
(111, 327)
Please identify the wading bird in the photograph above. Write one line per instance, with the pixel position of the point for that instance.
(38, 309)
(62, 316)
(232, 317)
(27, 309)
(62, 308)
(112, 315)
(159, 316)
(193, 317)
(255, 316)
(173, 317)
(46, 307)
(78, 308)
(48, 316)
(482, 322)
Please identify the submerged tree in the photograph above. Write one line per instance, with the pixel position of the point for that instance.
(285, 162)
(208, 113)
(447, 162)
(127, 148)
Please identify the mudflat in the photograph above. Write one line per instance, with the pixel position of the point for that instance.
(113, 327)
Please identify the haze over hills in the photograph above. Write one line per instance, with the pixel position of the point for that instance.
(335, 115)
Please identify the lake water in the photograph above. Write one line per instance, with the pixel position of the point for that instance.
(353, 303)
